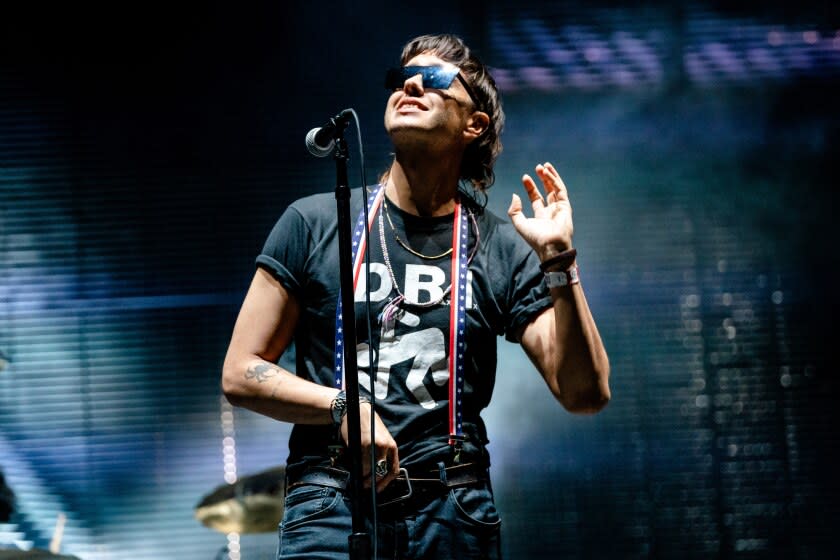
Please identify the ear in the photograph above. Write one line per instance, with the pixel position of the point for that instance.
(477, 124)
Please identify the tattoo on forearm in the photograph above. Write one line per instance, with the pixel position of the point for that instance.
(262, 372)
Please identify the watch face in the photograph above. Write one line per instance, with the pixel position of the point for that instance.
(556, 279)
(560, 279)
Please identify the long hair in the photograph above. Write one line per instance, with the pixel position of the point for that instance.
(481, 154)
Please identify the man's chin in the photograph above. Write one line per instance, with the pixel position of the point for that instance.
(408, 133)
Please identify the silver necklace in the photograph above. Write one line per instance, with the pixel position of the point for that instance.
(392, 310)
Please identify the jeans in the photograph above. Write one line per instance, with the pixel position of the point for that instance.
(460, 523)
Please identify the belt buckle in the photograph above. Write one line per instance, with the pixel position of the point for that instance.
(403, 498)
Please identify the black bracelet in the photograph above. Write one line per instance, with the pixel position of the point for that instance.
(566, 258)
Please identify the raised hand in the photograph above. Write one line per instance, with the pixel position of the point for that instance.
(550, 231)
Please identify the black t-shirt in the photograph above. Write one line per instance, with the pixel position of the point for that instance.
(505, 290)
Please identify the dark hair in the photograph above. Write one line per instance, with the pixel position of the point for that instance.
(477, 165)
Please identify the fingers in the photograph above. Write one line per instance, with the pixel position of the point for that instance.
(534, 194)
(387, 452)
(393, 461)
(385, 449)
(554, 186)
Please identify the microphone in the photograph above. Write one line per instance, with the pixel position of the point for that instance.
(320, 140)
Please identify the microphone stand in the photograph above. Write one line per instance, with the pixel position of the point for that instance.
(359, 540)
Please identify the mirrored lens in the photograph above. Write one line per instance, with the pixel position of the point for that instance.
(436, 77)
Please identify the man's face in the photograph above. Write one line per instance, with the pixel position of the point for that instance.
(415, 113)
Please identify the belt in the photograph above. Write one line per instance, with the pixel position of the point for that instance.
(407, 492)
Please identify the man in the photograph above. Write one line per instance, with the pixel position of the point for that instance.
(444, 118)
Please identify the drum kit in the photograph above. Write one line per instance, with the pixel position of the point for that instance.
(253, 504)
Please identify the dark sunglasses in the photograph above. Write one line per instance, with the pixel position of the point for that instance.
(435, 77)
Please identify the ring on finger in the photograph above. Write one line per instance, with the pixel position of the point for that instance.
(382, 468)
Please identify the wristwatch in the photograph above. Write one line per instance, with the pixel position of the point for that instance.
(562, 278)
(338, 408)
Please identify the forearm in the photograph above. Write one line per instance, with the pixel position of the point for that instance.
(578, 370)
(268, 389)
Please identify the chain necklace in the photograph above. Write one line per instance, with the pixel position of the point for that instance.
(392, 310)
(404, 244)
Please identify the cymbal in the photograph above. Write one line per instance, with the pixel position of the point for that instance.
(253, 504)
(33, 554)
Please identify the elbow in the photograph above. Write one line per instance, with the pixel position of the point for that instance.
(588, 398)
(586, 403)
(232, 396)
(231, 389)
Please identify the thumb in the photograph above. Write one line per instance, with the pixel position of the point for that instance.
(515, 211)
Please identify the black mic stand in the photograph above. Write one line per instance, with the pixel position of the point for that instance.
(359, 539)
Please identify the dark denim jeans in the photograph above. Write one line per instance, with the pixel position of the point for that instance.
(461, 523)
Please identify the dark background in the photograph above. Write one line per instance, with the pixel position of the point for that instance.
(147, 148)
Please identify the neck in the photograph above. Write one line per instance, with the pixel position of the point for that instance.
(422, 189)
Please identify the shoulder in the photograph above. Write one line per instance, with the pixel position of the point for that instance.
(314, 206)
(318, 212)
(323, 205)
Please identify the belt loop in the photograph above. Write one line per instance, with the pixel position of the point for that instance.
(442, 471)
